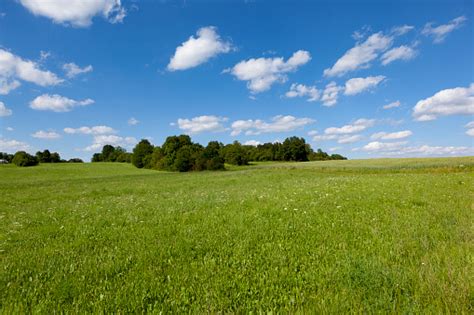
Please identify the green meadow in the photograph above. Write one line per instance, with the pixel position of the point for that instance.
(358, 236)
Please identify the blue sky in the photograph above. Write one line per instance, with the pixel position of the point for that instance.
(76, 77)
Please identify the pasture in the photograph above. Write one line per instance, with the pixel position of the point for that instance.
(388, 235)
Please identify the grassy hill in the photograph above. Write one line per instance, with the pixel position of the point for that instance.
(388, 235)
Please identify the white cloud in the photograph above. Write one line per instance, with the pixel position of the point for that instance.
(44, 55)
(399, 149)
(278, 123)
(391, 136)
(252, 143)
(318, 138)
(9, 129)
(95, 130)
(440, 32)
(101, 140)
(301, 90)
(73, 70)
(392, 105)
(377, 146)
(400, 30)
(11, 146)
(262, 73)
(330, 94)
(57, 103)
(361, 33)
(469, 124)
(4, 111)
(356, 126)
(202, 124)
(47, 135)
(198, 50)
(349, 139)
(358, 85)
(360, 55)
(132, 121)
(334, 149)
(456, 101)
(398, 53)
(78, 13)
(6, 86)
(14, 68)
(470, 128)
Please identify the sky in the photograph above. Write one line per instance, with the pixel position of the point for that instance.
(364, 79)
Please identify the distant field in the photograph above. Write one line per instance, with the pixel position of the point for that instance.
(388, 235)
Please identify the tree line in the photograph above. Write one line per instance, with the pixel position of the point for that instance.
(22, 158)
(179, 153)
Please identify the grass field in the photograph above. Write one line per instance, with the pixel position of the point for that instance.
(391, 236)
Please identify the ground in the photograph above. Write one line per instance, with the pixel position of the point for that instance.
(391, 235)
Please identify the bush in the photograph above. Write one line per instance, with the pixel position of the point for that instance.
(75, 160)
(142, 154)
(21, 158)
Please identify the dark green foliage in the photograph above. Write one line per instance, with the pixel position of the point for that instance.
(141, 156)
(112, 154)
(295, 149)
(47, 157)
(21, 158)
(75, 160)
(292, 149)
(320, 155)
(235, 154)
(180, 154)
(5, 157)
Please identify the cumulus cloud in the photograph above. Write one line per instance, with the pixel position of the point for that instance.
(46, 135)
(101, 140)
(8, 85)
(440, 32)
(11, 146)
(301, 90)
(4, 111)
(198, 50)
(377, 146)
(95, 130)
(358, 85)
(57, 103)
(14, 68)
(398, 53)
(392, 135)
(349, 139)
(73, 70)
(400, 149)
(262, 73)
(470, 128)
(456, 101)
(360, 56)
(318, 138)
(278, 123)
(78, 13)
(331, 94)
(132, 121)
(356, 126)
(392, 105)
(202, 124)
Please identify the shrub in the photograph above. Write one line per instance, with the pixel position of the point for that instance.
(21, 158)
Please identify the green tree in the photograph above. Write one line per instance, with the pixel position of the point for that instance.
(141, 156)
(21, 158)
(295, 149)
